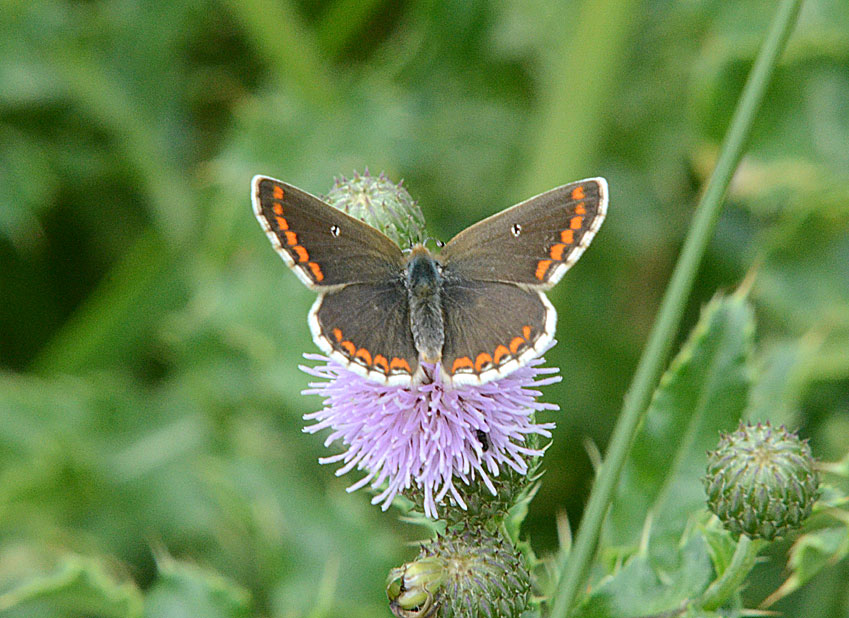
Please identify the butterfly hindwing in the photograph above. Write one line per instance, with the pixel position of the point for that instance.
(533, 243)
(492, 328)
(324, 246)
(366, 326)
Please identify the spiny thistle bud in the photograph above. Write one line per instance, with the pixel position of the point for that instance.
(462, 574)
(761, 481)
(382, 204)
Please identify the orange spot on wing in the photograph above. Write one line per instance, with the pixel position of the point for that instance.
(580, 210)
(575, 223)
(291, 238)
(399, 363)
(464, 362)
(338, 334)
(500, 352)
(380, 361)
(556, 252)
(567, 236)
(365, 355)
(349, 347)
(282, 223)
(302, 254)
(278, 192)
(316, 271)
(278, 208)
(542, 267)
(516, 343)
(578, 193)
(526, 331)
(482, 359)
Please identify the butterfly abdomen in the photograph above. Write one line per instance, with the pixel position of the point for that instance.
(424, 283)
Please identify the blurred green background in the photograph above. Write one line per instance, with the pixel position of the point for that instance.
(150, 407)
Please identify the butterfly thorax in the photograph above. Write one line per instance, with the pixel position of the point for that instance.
(424, 284)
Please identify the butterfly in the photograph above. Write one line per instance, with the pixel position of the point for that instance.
(477, 307)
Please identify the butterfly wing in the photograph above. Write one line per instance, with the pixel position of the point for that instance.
(533, 243)
(361, 316)
(324, 246)
(496, 315)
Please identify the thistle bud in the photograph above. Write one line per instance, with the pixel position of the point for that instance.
(382, 204)
(761, 481)
(466, 574)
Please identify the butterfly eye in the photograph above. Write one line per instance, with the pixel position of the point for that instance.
(334, 229)
(516, 229)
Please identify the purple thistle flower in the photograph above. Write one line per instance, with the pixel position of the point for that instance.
(428, 434)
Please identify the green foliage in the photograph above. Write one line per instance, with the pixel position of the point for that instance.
(186, 590)
(657, 558)
(78, 587)
(648, 587)
(149, 338)
(703, 392)
(828, 543)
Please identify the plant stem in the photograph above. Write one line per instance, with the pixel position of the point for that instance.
(669, 316)
(729, 582)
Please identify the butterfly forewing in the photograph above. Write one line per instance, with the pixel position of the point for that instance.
(324, 246)
(533, 243)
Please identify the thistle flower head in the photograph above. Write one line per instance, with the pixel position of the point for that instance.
(424, 438)
(761, 481)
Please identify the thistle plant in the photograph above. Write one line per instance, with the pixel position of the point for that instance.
(382, 204)
(430, 441)
(446, 449)
(465, 449)
(430, 384)
(761, 483)
(151, 415)
(458, 574)
(468, 454)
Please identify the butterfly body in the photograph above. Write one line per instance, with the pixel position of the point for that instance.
(424, 292)
(478, 307)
